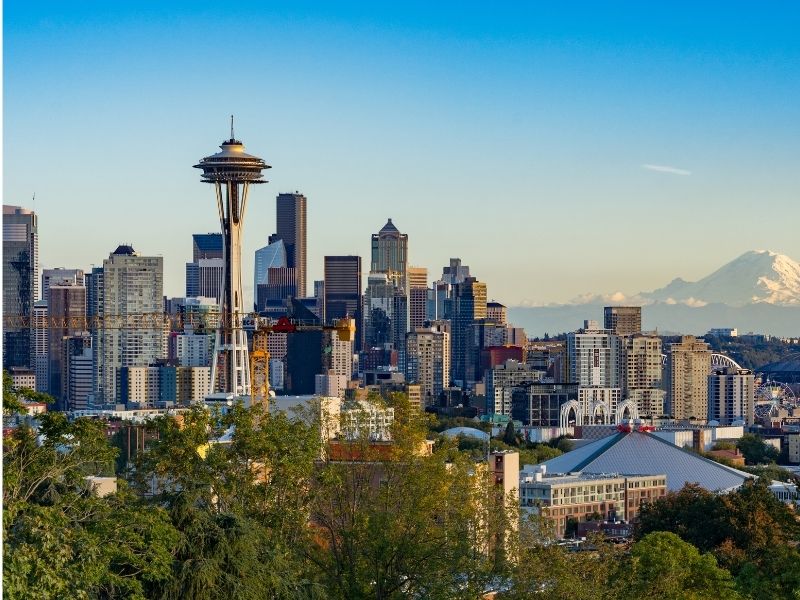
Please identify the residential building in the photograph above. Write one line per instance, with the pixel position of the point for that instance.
(66, 305)
(688, 367)
(731, 396)
(330, 384)
(496, 313)
(417, 297)
(643, 373)
(540, 404)
(428, 360)
(594, 357)
(41, 333)
(60, 276)
(132, 331)
(623, 320)
(500, 382)
(22, 377)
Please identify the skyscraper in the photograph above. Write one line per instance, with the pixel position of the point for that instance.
(20, 283)
(291, 228)
(417, 297)
(688, 367)
(428, 361)
(40, 344)
(204, 273)
(66, 305)
(731, 395)
(132, 329)
(623, 320)
(390, 253)
(594, 357)
(271, 256)
(206, 246)
(342, 292)
(385, 314)
(60, 276)
(468, 305)
(643, 374)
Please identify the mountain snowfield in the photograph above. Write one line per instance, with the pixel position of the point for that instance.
(758, 291)
(754, 277)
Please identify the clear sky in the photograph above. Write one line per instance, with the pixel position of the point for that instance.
(557, 148)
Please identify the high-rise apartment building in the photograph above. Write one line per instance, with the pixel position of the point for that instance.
(468, 305)
(428, 360)
(132, 331)
(40, 345)
(60, 276)
(390, 253)
(337, 354)
(501, 381)
(688, 367)
(81, 377)
(643, 374)
(731, 395)
(594, 357)
(66, 306)
(417, 297)
(623, 320)
(20, 284)
(291, 228)
(496, 313)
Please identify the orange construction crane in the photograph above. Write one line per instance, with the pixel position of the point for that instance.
(259, 357)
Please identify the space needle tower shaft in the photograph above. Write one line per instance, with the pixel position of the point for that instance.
(231, 172)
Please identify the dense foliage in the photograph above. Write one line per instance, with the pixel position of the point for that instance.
(254, 505)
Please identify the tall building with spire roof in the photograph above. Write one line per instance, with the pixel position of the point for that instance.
(390, 253)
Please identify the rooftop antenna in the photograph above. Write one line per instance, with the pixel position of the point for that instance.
(232, 127)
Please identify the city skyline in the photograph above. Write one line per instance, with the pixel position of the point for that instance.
(557, 126)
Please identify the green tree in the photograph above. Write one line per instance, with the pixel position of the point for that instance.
(693, 513)
(60, 539)
(551, 572)
(509, 437)
(403, 523)
(236, 489)
(664, 567)
(755, 450)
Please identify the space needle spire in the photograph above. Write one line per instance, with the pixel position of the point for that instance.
(231, 172)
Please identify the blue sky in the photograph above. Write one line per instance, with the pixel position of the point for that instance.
(512, 135)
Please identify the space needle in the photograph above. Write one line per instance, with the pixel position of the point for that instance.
(231, 172)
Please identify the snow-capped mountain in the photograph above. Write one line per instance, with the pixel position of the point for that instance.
(755, 277)
(759, 291)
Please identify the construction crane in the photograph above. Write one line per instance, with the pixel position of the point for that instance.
(259, 357)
